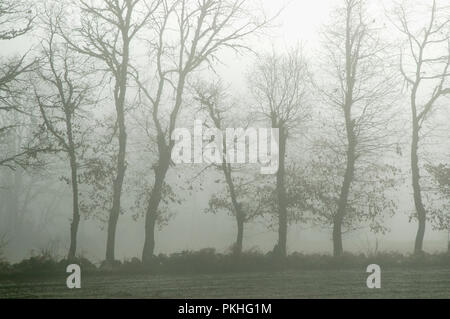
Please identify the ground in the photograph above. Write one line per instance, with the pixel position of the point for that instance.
(396, 283)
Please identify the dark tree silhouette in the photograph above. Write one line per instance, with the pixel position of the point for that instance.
(106, 33)
(201, 29)
(424, 64)
(243, 201)
(62, 93)
(16, 19)
(279, 85)
(360, 90)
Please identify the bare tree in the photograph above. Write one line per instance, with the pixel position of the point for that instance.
(361, 91)
(189, 35)
(315, 184)
(279, 85)
(18, 148)
(243, 201)
(16, 19)
(61, 92)
(106, 33)
(424, 64)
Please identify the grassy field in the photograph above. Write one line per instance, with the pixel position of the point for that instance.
(396, 283)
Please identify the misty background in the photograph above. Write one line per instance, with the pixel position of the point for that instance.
(45, 220)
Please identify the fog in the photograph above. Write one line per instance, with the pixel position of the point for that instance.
(46, 220)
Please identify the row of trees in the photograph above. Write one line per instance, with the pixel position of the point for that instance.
(338, 119)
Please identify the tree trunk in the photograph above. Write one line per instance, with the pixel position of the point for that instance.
(74, 176)
(118, 182)
(281, 249)
(119, 99)
(420, 209)
(240, 217)
(164, 152)
(152, 209)
(76, 210)
(240, 236)
(338, 249)
(117, 193)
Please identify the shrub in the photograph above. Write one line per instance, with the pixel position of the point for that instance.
(85, 264)
(207, 261)
(38, 265)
